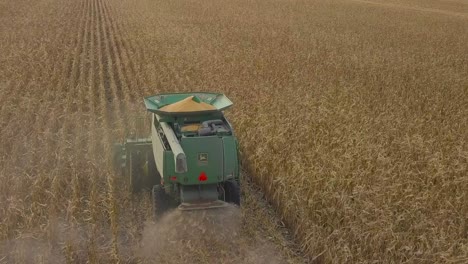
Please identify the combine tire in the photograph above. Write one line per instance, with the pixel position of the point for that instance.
(160, 201)
(232, 192)
(152, 178)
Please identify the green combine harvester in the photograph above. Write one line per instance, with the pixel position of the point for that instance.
(191, 157)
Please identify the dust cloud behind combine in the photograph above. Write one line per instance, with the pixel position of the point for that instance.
(203, 236)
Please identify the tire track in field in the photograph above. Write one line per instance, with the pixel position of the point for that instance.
(74, 75)
(102, 83)
(114, 106)
(115, 53)
(104, 78)
(107, 111)
(130, 56)
(123, 77)
(104, 95)
(414, 8)
(82, 128)
(94, 76)
(136, 60)
(93, 91)
(93, 161)
(124, 49)
(93, 97)
(108, 97)
(98, 94)
(121, 80)
(85, 66)
(110, 82)
(114, 123)
(79, 136)
(98, 128)
(75, 70)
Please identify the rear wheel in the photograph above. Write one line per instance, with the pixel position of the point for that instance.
(160, 201)
(152, 175)
(232, 192)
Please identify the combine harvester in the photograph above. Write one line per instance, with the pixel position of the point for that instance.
(190, 159)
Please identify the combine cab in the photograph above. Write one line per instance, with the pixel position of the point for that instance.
(191, 157)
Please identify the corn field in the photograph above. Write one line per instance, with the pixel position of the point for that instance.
(352, 117)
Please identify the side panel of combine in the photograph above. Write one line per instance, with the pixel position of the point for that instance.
(231, 161)
(158, 149)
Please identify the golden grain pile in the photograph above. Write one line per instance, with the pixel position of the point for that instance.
(187, 105)
(352, 117)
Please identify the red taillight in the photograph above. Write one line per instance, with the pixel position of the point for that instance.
(173, 178)
(202, 176)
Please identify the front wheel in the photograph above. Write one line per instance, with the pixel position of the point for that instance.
(232, 192)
